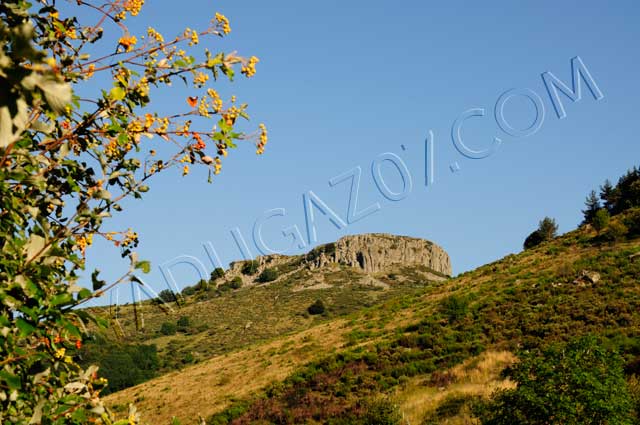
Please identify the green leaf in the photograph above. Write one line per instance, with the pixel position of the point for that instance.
(25, 327)
(117, 93)
(145, 266)
(12, 380)
(64, 298)
(84, 293)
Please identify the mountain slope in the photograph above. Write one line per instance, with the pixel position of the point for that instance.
(240, 307)
(407, 349)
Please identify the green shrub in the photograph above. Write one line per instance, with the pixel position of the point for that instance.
(167, 296)
(632, 221)
(183, 324)
(614, 232)
(217, 273)
(168, 328)
(454, 308)
(236, 282)
(600, 220)
(316, 308)
(250, 267)
(189, 290)
(382, 412)
(576, 383)
(268, 275)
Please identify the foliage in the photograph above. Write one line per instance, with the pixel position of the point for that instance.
(600, 220)
(250, 267)
(316, 308)
(579, 383)
(122, 365)
(168, 328)
(236, 283)
(632, 221)
(382, 412)
(268, 275)
(67, 163)
(616, 199)
(592, 204)
(454, 308)
(615, 231)
(167, 296)
(217, 273)
(183, 324)
(547, 230)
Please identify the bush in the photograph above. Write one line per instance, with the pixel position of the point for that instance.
(189, 290)
(268, 275)
(183, 323)
(615, 231)
(316, 308)
(576, 383)
(600, 220)
(217, 273)
(382, 412)
(632, 221)
(250, 268)
(236, 282)
(168, 328)
(454, 308)
(167, 296)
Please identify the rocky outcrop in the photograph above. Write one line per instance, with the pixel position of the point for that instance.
(371, 252)
(374, 252)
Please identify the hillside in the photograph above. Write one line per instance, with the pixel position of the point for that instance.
(240, 308)
(428, 354)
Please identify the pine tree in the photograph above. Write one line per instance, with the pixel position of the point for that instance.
(607, 194)
(593, 205)
(548, 228)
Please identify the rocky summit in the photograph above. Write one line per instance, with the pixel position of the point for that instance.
(370, 252)
(374, 252)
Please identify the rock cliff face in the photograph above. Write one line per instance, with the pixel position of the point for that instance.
(374, 252)
(371, 252)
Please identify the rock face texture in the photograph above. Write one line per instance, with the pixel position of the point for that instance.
(370, 252)
(374, 252)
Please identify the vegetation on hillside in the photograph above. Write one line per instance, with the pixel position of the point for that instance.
(220, 316)
(570, 309)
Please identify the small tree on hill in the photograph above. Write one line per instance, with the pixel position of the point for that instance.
(217, 273)
(592, 204)
(547, 230)
(607, 194)
(577, 383)
(600, 220)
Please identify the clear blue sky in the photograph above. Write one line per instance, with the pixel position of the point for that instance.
(340, 83)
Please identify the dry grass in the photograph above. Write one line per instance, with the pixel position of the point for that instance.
(478, 376)
(208, 387)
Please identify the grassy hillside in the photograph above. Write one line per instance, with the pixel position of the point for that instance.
(426, 356)
(219, 319)
(520, 302)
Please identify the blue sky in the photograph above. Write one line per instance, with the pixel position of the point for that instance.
(340, 84)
